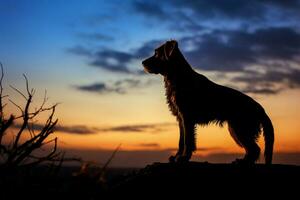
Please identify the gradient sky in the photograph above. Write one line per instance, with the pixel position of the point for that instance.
(87, 54)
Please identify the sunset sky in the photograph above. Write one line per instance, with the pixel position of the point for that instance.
(87, 55)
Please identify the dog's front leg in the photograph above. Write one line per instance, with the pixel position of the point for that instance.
(181, 142)
(187, 143)
(189, 140)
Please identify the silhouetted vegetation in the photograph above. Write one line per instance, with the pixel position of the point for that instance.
(30, 162)
(24, 145)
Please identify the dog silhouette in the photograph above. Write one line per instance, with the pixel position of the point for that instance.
(194, 99)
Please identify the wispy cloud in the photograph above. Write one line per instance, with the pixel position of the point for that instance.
(119, 86)
(85, 130)
(77, 129)
(97, 87)
(139, 128)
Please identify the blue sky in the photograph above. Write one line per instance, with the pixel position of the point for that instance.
(36, 35)
(45, 36)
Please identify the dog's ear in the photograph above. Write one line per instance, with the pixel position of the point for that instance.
(169, 48)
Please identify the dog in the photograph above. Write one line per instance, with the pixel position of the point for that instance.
(194, 99)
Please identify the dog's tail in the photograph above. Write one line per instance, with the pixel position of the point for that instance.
(268, 131)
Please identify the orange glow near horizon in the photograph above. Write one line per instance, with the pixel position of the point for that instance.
(282, 108)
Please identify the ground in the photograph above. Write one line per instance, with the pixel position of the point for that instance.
(156, 181)
(198, 179)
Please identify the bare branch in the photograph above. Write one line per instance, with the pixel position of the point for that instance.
(31, 130)
(55, 139)
(18, 91)
(1, 93)
(17, 153)
(27, 86)
(25, 121)
(19, 107)
(112, 156)
(2, 72)
(4, 126)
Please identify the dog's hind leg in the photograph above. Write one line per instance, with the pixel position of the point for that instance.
(246, 138)
(252, 151)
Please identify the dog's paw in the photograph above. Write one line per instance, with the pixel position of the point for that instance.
(244, 162)
(179, 159)
(172, 159)
(182, 159)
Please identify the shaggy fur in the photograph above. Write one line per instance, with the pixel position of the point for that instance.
(194, 99)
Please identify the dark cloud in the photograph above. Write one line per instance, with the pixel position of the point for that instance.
(232, 9)
(212, 52)
(221, 36)
(114, 60)
(218, 50)
(222, 51)
(107, 59)
(270, 82)
(245, 12)
(273, 42)
(146, 49)
(166, 13)
(119, 86)
(236, 50)
(99, 88)
(275, 50)
(152, 9)
(261, 90)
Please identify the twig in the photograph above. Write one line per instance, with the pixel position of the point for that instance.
(18, 91)
(108, 162)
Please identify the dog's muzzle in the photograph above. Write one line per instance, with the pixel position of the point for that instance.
(146, 69)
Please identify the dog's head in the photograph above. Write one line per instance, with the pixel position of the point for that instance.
(160, 61)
